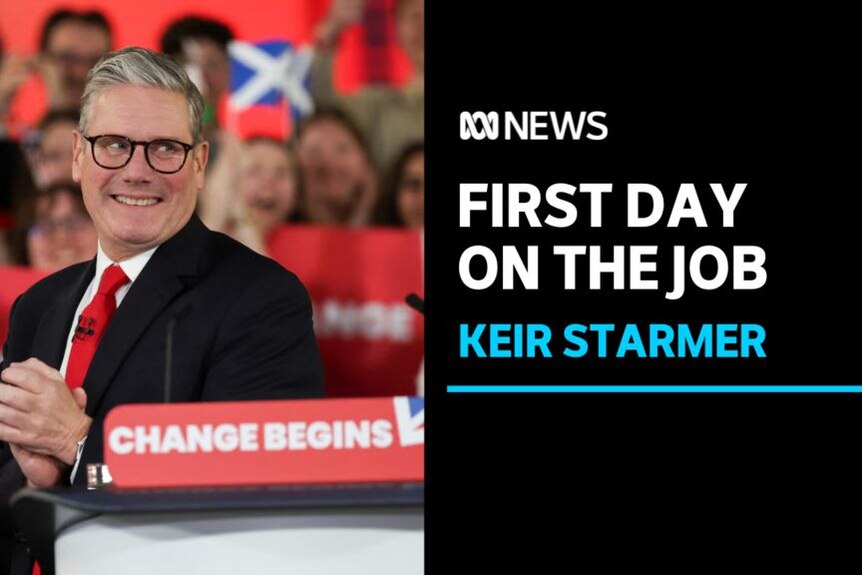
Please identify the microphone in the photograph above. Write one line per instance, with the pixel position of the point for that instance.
(84, 329)
(169, 346)
(416, 302)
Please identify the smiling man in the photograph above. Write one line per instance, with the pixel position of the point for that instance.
(92, 336)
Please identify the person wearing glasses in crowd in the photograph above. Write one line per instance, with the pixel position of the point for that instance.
(70, 44)
(92, 336)
(53, 229)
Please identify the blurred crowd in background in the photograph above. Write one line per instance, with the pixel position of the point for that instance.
(357, 160)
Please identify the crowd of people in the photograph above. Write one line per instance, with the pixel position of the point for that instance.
(357, 160)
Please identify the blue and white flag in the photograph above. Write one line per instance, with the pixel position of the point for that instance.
(271, 74)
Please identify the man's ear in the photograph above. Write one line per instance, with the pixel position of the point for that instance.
(200, 157)
(79, 146)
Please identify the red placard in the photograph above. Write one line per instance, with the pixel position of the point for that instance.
(266, 442)
(372, 343)
(13, 282)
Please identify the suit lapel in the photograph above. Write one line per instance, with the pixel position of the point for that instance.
(50, 342)
(171, 268)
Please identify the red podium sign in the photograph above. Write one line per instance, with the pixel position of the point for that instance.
(266, 442)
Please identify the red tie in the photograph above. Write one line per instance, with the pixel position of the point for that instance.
(91, 325)
(89, 331)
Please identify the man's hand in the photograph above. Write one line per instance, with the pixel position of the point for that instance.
(14, 71)
(44, 470)
(342, 13)
(40, 470)
(52, 76)
(38, 412)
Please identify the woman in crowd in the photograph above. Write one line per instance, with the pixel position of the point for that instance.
(268, 188)
(338, 176)
(403, 201)
(54, 230)
(251, 191)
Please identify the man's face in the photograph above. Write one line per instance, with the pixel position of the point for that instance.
(212, 62)
(55, 153)
(73, 48)
(135, 208)
(61, 235)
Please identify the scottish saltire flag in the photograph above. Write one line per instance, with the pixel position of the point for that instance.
(269, 87)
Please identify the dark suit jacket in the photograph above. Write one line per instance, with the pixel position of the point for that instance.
(242, 330)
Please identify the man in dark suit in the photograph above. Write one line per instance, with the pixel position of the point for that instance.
(241, 323)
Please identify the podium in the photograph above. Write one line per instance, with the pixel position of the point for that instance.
(323, 529)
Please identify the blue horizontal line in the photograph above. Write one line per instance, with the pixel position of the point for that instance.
(654, 388)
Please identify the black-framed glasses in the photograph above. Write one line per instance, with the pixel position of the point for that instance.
(112, 152)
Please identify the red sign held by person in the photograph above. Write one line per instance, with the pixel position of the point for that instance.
(371, 341)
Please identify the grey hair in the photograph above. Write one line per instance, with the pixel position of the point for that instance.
(142, 67)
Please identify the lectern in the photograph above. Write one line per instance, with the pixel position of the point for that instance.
(352, 528)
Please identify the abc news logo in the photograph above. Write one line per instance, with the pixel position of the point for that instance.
(533, 126)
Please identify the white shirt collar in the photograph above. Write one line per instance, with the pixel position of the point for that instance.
(132, 267)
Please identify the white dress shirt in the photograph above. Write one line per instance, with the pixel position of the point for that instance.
(131, 267)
